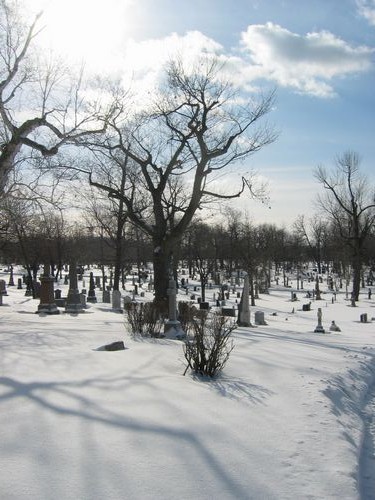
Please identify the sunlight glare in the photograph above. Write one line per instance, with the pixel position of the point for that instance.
(91, 31)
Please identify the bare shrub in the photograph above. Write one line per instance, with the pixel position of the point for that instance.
(209, 348)
(186, 314)
(144, 319)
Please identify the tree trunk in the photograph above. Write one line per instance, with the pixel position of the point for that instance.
(162, 260)
(203, 288)
(118, 263)
(356, 277)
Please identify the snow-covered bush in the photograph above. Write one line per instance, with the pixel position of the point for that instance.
(144, 319)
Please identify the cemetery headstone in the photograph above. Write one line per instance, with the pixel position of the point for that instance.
(75, 302)
(244, 307)
(334, 327)
(116, 300)
(172, 328)
(259, 318)
(363, 318)
(3, 288)
(11, 277)
(319, 328)
(91, 297)
(228, 311)
(47, 303)
(204, 305)
(106, 297)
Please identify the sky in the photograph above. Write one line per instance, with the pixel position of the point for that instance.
(317, 54)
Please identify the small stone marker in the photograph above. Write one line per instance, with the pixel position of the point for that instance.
(363, 318)
(334, 327)
(116, 300)
(228, 311)
(3, 288)
(114, 346)
(259, 318)
(106, 297)
(127, 300)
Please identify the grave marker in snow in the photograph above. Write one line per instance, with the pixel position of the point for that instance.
(334, 327)
(172, 327)
(3, 288)
(74, 302)
(319, 328)
(116, 300)
(244, 307)
(259, 318)
(91, 295)
(47, 303)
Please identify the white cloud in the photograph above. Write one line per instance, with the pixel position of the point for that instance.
(305, 63)
(367, 9)
(144, 62)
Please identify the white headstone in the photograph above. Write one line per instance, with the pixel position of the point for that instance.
(244, 307)
(259, 318)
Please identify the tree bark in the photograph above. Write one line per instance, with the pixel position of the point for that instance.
(356, 263)
(162, 260)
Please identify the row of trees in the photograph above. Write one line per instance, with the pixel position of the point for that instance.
(157, 164)
(205, 250)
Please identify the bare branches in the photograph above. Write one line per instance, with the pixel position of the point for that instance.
(350, 204)
(42, 107)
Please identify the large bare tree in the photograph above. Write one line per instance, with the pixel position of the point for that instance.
(349, 201)
(314, 233)
(197, 130)
(42, 106)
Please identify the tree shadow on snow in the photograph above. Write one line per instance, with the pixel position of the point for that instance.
(237, 389)
(72, 399)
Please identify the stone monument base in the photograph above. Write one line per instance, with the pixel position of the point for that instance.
(48, 309)
(173, 330)
(319, 329)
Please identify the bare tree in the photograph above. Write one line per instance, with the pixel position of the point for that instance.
(349, 202)
(42, 107)
(195, 133)
(314, 233)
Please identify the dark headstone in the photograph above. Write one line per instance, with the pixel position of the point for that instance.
(363, 318)
(114, 346)
(228, 311)
(204, 305)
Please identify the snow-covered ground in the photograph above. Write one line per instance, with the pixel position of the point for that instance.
(289, 418)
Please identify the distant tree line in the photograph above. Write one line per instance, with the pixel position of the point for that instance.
(208, 251)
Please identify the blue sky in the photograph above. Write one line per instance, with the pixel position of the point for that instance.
(318, 54)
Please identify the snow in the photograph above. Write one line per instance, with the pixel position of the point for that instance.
(289, 418)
